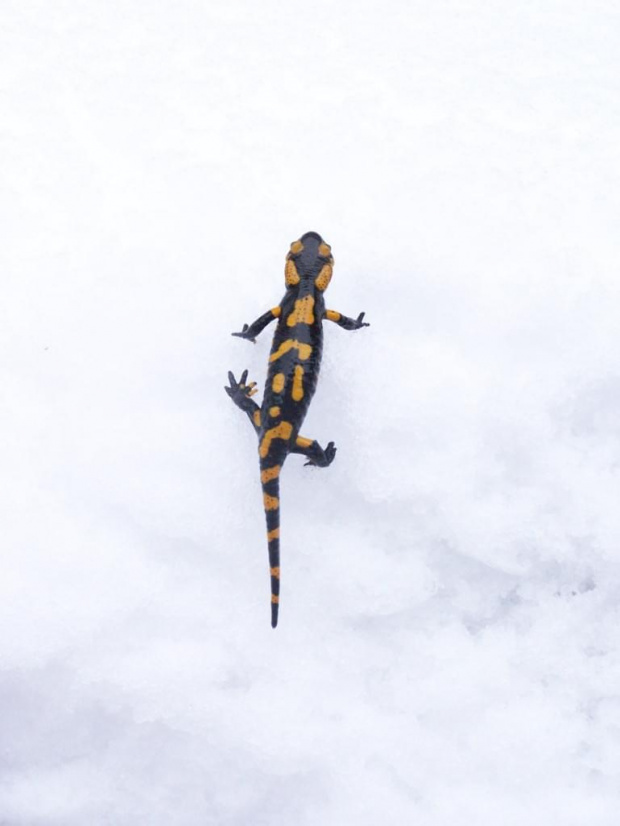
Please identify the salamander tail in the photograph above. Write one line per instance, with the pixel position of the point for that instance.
(270, 480)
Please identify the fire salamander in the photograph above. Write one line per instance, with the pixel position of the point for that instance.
(291, 380)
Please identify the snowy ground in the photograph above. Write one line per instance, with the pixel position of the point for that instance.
(448, 651)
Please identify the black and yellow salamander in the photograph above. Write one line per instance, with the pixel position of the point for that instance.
(294, 364)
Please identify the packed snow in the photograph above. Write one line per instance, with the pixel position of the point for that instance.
(448, 647)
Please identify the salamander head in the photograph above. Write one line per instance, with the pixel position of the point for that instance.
(309, 259)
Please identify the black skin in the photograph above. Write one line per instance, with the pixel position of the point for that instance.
(292, 376)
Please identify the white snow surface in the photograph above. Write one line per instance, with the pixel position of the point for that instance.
(448, 647)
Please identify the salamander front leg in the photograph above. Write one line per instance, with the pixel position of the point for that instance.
(250, 331)
(242, 394)
(345, 322)
(314, 452)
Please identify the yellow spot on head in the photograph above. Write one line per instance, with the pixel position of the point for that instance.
(277, 385)
(332, 315)
(298, 385)
(296, 247)
(275, 572)
(302, 312)
(269, 474)
(282, 431)
(274, 412)
(325, 250)
(291, 276)
(291, 344)
(274, 534)
(256, 418)
(302, 442)
(324, 277)
(271, 503)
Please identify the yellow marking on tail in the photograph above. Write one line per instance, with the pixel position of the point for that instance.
(291, 344)
(281, 431)
(291, 276)
(298, 387)
(277, 385)
(275, 599)
(302, 312)
(324, 277)
(271, 503)
(274, 534)
(301, 441)
(275, 572)
(270, 473)
(256, 418)
(274, 412)
(332, 315)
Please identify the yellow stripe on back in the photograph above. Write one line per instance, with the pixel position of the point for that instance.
(298, 386)
(270, 473)
(281, 431)
(271, 503)
(292, 344)
(302, 312)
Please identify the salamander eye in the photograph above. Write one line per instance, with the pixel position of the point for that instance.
(296, 247)
(325, 250)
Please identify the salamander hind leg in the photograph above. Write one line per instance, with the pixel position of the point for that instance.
(242, 394)
(314, 452)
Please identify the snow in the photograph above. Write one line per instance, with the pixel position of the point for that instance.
(448, 647)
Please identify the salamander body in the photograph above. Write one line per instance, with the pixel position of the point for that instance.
(293, 371)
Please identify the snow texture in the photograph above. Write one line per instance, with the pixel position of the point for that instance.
(448, 648)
